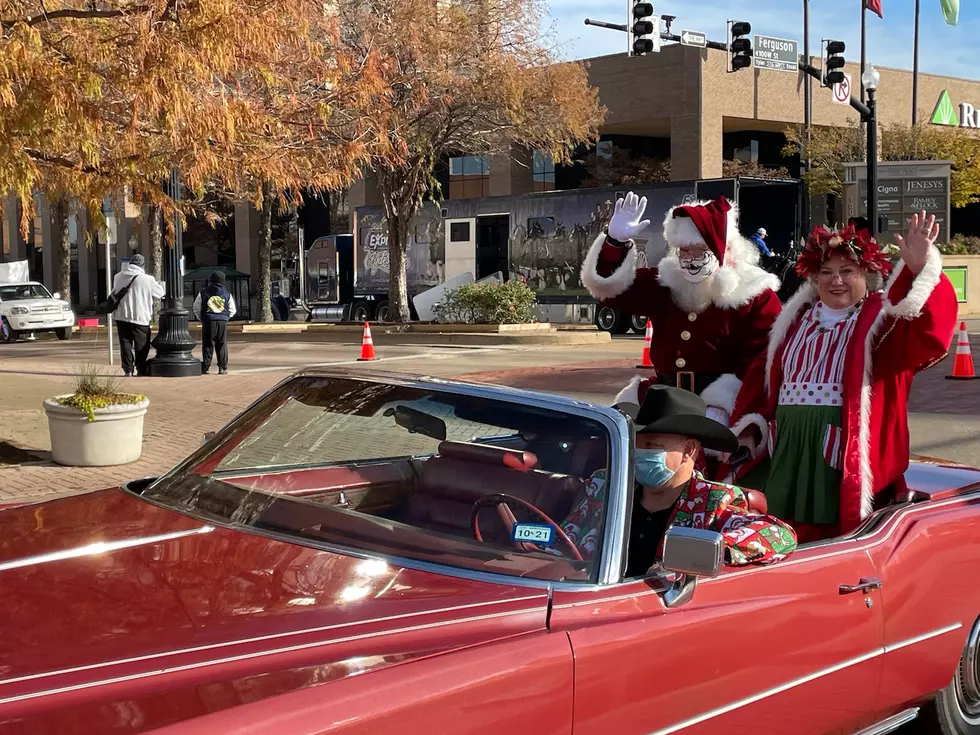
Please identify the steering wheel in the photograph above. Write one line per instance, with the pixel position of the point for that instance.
(501, 500)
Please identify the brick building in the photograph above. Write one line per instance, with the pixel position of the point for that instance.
(680, 104)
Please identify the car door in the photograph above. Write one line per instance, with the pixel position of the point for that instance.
(928, 559)
(755, 647)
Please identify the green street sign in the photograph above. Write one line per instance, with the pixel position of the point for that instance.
(945, 113)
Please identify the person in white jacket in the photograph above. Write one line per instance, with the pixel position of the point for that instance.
(136, 290)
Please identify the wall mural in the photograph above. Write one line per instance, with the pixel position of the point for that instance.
(550, 235)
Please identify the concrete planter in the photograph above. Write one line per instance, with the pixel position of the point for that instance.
(115, 437)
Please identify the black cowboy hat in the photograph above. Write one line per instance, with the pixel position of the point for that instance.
(670, 410)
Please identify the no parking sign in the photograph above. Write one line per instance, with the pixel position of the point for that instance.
(842, 91)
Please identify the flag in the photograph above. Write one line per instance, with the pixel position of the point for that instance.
(951, 11)
(875, 6)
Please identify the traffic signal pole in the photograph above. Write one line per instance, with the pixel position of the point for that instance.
(863, 110)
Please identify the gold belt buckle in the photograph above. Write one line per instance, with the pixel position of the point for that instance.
(680, 377)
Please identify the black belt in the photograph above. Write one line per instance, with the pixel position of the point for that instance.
(688, 380)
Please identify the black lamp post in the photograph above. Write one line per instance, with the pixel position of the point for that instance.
(870, 80)
(174, 342)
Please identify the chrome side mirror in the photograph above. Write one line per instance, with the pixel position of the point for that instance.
(690, 553)
(208, 437)
(56, 295)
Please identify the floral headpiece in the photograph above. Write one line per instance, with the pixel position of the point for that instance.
(851, 242)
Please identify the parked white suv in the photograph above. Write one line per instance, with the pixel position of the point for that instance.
(30, 307)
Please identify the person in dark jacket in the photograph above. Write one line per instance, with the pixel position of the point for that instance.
(214, 306)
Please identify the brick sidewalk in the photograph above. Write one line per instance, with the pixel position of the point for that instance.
(173, 427)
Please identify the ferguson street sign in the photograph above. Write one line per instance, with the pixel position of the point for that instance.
(779, 54)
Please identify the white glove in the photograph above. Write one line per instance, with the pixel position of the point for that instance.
(718, 414)
(625, 223)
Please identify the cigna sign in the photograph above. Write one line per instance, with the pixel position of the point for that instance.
(946, 114)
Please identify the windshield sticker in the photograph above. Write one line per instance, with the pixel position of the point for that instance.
(535, 533)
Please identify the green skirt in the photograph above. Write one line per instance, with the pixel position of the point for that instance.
(802, 485)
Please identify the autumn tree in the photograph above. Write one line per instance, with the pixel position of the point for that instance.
(461, 77)
(245, 97)
(831, 148)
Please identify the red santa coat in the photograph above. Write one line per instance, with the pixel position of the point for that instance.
(898, 333)
(721, 332)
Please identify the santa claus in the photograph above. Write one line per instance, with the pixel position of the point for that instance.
(711, 304)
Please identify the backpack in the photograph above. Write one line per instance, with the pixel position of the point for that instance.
(112, 303)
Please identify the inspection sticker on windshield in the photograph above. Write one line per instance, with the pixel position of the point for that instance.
(535, 533)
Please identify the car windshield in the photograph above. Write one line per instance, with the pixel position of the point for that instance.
(416, 473)
(22, 291)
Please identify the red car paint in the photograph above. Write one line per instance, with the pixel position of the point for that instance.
(183, 618)
(120, 616)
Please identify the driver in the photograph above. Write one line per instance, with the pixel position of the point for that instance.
(672, 430)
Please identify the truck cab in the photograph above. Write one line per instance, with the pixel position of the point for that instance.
(28, 307)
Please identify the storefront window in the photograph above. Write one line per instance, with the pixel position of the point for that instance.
(469, 177)
(543, 171)
(749, 153)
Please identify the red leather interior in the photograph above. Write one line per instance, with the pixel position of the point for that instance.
(462, 473)
(324, 479)
(757, 501)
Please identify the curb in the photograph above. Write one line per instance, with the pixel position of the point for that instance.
(407, 335)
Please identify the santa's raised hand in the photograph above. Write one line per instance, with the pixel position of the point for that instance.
(915, 247)
(625, 223)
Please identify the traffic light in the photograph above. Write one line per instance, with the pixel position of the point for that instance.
(642, 27)
(833, 63)
(739, 45)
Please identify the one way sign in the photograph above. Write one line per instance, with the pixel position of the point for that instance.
(694, 38)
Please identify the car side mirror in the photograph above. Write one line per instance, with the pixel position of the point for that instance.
(691, 553)
(56, 295)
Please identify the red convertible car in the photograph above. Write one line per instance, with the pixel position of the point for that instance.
(374, 553)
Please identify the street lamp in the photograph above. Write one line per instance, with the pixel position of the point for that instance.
(174, 342)
(870, 80)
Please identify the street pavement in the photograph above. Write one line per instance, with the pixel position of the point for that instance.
(945, 414)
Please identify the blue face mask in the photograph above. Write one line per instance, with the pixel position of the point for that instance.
(651, 468)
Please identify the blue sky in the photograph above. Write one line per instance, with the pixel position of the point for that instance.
(947, 50)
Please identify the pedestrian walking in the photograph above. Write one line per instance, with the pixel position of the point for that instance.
(214, 306)
(135, 290)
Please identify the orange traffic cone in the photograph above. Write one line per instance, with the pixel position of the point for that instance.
(963, 361)
(367, 344)
(646, 362)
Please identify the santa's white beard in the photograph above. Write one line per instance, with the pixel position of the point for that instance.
(695, 297)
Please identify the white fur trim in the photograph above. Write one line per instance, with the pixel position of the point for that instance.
(629, 394)
(616, 284)
(722, 393)
(732, 287)
(922, 287)
(759, 421)
(805, 295)
(864, 429)
(682, 231)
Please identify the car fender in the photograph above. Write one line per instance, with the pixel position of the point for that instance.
(519, 684)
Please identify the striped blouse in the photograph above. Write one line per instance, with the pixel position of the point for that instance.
(813, 362)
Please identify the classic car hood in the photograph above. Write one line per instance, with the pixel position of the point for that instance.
(107, 597)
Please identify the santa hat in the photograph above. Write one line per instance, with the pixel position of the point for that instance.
(702, 223)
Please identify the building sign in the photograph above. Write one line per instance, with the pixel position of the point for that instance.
(957, 276)
(946, 114)
(778, 54)
(904, 188)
